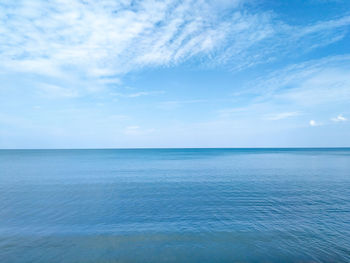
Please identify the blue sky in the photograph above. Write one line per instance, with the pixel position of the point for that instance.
(239, 73)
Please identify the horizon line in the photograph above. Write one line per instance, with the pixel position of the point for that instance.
(179, 148)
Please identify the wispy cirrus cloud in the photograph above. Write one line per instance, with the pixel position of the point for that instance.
(107, 38)
(72, 49)
(305, 84)
(310, 87)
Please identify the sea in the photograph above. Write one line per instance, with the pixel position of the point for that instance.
(175, 205)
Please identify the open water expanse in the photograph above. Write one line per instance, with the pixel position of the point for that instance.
(175, 205)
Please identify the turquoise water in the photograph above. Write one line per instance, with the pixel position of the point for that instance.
(175, 205)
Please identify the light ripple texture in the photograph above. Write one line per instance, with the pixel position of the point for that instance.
(175, 205)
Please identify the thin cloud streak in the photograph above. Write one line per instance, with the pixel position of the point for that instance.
(281, 116)
(339, 118)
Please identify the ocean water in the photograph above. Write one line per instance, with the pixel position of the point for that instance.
(175, 205)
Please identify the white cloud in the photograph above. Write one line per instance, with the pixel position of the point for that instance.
(105, 38)
(313, 123)
(281, 116)
(339, 118)
(108, 38)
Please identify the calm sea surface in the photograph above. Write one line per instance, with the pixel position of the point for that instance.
(175, 205)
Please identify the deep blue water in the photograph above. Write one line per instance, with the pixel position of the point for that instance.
(175, 205)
